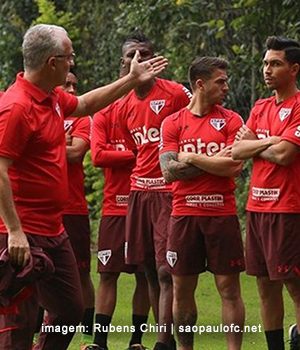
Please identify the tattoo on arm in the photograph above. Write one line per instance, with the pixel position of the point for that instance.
(173, 170)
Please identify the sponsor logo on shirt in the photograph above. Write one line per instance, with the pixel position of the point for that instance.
(297, 132)
(204, 200)
(265, 194)
(119, 144)
(121, 200)
(187, 92)
(171, 258)
(157, 105)
(142, 135)
(284, 113)
(104, 256)
(197, 146)
(68, 124)
(150, 183)
(218, 124)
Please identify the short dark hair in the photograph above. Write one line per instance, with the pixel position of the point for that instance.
(137, 36)
(289, 46)
(204, 67)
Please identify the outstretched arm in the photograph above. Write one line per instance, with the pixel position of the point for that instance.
(173, 170)
(140, 72)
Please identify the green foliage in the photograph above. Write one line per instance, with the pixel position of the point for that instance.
(49, 14)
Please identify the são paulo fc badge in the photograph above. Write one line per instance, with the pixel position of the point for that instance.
(104, 256)
(157, 105)
(284, 113)
(171, 258)
(68, 124)
(218, 124)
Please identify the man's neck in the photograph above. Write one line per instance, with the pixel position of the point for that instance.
(284, 94)
(37, 79)
(143, 90)
(199, 107)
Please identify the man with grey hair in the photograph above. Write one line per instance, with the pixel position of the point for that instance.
(33, 181)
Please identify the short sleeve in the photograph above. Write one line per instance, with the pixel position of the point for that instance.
(236, 122)
(82, 128)
(15, 131)
(169, 136)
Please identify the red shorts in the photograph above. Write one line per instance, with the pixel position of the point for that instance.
(200, 243)
(146, 227)
(273, 245)
(78, 229)
(111, 244)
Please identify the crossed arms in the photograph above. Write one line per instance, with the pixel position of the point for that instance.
(184, 165)
(272, 148)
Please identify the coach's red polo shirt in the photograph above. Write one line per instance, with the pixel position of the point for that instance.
(32, 135)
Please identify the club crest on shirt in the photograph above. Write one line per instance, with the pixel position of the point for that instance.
(104, 256)
(157, 105)
(218, 124)
(284, 113)
(68, 124)
(57, 108)
(171, 258)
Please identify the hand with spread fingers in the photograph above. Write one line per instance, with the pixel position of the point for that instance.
(146, 70)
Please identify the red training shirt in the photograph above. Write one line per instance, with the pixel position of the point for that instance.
(275, 188)
(143, 118)
(111, 150)
(77, 205)
(207, 194)
(32, 135)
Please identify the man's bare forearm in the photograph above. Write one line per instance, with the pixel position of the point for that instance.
(216, 165)
(7, 208)
(173, 170)
(246, 149)
(18, 246)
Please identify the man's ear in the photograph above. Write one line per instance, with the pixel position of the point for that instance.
(122, 63)
(295, 68)
(199, 83)
(51, 62)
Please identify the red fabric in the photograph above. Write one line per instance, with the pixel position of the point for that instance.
(208, 194)
(32, 134)
(111, 150)
(80, 128)
(12, 308)
(143, 118)
(275, 188)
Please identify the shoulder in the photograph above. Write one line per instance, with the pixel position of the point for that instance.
(262, 102)
(229, 113)
(16, 102)
(177, 117)
(173, 88)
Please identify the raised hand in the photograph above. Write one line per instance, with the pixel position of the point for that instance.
(146, 70)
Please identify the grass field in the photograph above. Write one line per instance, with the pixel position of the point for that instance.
(208, 314)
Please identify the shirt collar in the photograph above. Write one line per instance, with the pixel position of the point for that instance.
(33, 90)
